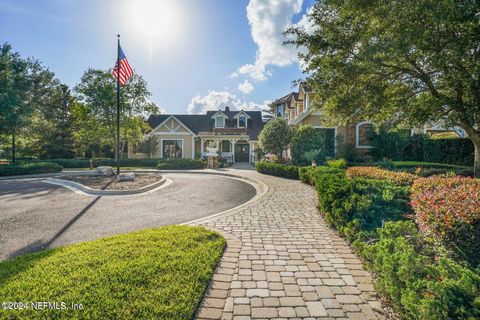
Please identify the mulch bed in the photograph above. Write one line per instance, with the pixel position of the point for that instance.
(111, 183)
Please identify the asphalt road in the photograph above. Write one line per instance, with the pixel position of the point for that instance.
(35, 215)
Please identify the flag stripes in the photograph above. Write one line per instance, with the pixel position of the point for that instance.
(126, 72)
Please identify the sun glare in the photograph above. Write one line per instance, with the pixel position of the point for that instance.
(156, 19)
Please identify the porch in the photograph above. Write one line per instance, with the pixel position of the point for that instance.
(231, 149)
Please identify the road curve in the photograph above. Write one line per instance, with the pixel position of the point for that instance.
(35, 215)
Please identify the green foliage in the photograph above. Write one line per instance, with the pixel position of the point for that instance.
(453, 151)
(389, 144)
(338, 164)
(354, 205)
(449, 210)
(307, 174)
(29, 168)
(419, 286)
(275, 137)
(405, 62)
(307, 139)
(150, 274)
(180, 164)
(277, 169)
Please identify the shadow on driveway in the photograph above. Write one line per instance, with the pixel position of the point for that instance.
(41, 245)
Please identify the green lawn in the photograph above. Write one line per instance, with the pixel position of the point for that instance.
(151, 274)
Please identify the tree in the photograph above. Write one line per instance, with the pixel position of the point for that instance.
(15, 85)
(275, 137)
(408, 62)
(307, 144)
(97, 91)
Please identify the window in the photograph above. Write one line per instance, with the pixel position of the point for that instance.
(172, 149)
(364, 132)
(242, 122)
(219, 122)
(225, 146)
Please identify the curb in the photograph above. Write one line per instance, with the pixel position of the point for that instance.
(79, 188)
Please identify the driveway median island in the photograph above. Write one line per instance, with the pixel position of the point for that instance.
(99, 182)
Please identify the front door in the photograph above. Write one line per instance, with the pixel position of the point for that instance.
(242, 152)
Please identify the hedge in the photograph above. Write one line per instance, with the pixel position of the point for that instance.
(408, 269)
(277, 169)
(359, 205)
(402, 178)
(455, 151)
(449, 210)
(419, 285)
(307, 174)
(29, 168)
(178, 164)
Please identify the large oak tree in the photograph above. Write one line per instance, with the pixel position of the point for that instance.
(403, 61)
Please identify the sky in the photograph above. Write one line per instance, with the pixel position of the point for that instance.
(195, 55)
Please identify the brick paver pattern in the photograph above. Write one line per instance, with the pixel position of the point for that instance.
(283, 261)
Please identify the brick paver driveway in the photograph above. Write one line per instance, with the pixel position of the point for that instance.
(283, 261)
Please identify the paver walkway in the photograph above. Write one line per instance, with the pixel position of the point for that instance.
(283, 261)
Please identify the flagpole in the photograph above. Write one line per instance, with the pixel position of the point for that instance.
(118, 104)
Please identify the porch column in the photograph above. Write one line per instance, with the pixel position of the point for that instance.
(202, 146)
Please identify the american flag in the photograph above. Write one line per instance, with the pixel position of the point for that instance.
(125, 70)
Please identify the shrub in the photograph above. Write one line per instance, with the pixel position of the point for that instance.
(307, 174)
(449, 210)
(277, 169)
(275, 137)
(179, 164)
(29, 168)
(306, 139)
(338, 164)
(454, 151)
(356, 205)
(402, 178)
(419, 286)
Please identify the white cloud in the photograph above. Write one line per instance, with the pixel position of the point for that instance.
(268, 19)
(245, 87)
(215, 100)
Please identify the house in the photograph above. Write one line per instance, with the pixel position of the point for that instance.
(234, 133)
(354, 138)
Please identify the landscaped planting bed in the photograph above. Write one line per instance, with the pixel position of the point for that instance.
(150, 274)
(111, 183)
(429, 272)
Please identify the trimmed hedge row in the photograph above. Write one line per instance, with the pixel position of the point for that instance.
(29, 168)
(371, 213)
(410, 268)
(180, 164)
(166, 164)
(454, 151)
(402, 178)
(277, 169)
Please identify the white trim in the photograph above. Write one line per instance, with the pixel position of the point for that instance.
(193, 147)
(241, 114)
(161, 147)
(171, 130)
(219, 111)
(246, 122)
(357, 136)
(172, 134)
(219, 117)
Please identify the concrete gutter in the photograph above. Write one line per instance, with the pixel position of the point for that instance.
(81, 189)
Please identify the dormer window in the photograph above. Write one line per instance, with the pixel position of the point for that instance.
(242, 122)
(219, 122)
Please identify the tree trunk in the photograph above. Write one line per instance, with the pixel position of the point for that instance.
(13, 146)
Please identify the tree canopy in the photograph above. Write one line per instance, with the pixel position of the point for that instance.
(275, 137)
(404, 62)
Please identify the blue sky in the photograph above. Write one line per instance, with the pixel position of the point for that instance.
(195, 55)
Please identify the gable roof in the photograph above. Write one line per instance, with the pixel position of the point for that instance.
(285, 99)
(203, 122)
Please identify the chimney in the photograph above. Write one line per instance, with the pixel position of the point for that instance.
(227, 109)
